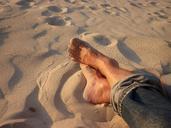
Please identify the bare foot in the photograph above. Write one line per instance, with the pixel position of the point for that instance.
(82, 52)
(97, 89)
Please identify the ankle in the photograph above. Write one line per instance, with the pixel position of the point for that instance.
(106, 62)
(120, 75)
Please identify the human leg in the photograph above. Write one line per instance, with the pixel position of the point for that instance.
(126, 107)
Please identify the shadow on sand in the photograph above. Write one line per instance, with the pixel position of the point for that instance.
(33, 112)
(3, 35)
(128, 52)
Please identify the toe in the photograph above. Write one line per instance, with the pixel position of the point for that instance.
(74, 42)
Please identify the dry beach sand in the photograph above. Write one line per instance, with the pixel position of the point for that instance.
(41, 87)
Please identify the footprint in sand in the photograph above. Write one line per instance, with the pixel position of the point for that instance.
(59, 21)
(161, 14)
(25, 4)
(51, 10)
(98, 39)
(102, 40)
(40, 34)
(55, 21)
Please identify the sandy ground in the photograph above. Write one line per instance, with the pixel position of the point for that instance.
(41, 87)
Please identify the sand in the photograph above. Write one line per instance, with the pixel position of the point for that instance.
(41, 87)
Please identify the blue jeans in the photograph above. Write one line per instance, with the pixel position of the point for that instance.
(141, 103)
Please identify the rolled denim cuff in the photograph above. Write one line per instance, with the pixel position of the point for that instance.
(121, 89)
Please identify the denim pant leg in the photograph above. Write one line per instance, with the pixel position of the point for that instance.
(139, 100)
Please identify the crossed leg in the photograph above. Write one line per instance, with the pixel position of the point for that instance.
(105, 74)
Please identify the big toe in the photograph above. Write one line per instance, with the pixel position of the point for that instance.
(74, 42)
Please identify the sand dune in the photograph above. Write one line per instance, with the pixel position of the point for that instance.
(41, 87)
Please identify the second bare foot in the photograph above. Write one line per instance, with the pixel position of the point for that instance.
(97, 89)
